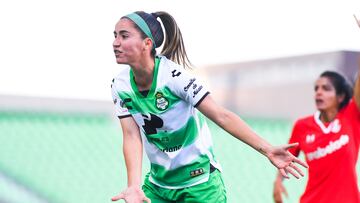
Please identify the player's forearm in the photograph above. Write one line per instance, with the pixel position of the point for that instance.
(357, 88)
(132, 148)
(234, 125)
(279, 177)
(357, 83)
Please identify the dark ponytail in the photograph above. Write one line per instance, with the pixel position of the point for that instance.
(342, 87)
(174, 47)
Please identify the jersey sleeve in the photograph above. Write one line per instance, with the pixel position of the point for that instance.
(187, 86)
(120, 110)
(295, 138)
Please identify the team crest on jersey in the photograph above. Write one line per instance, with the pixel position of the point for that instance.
(161, 102)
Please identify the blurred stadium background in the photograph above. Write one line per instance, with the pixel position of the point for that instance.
(69, 150)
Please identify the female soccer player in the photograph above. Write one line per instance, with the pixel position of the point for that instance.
(159, 107)
(330, 141)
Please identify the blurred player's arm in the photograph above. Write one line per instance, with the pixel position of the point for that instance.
(357, 88)
(233, 124)
(357, 83)
(279, 189)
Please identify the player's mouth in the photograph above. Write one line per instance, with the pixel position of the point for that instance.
(319, 101)
(117, 52)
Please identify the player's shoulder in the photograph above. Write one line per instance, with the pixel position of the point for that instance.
(124, 74)
(167, 62)
(122, 78)
(305, 121)
(168, 68)
(171, 68)
(350, 109)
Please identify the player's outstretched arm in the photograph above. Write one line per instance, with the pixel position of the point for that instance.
(357, 83)
(132, 149)
(357, 88)
(279, 156)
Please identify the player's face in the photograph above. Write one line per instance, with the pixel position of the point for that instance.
(325, 95)
(128, 45)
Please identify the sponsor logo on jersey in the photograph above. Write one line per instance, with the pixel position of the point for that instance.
(175, 73)
(172, 149)
(197, 172)
(187, 87)
(112, 82)
(161, 102)
(328, 149)
(122, 103)
(197, 91)
(310, 138)
(125, 102)
(163, 139)
(151, 123)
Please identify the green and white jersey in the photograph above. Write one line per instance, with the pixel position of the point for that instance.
(175, 135)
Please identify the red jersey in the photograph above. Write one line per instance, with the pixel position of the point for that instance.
(331, 151)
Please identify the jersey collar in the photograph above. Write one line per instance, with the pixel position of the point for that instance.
(334, 125)
(153, 85)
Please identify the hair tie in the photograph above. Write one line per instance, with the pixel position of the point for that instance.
(154, 15)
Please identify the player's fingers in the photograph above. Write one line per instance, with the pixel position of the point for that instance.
(304, 164)
(283, 173)
(296, 168)
(117, 197)
(292, 172)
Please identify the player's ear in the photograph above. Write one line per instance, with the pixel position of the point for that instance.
(148, 44)
(340, 98)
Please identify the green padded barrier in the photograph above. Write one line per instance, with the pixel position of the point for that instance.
(65, 158)
(68, 158)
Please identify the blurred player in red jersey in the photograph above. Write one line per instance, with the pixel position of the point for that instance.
(330, 141)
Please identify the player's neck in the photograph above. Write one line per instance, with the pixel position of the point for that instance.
(328, 116)
(143, 73)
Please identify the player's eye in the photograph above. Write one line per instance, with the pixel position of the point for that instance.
(327, 88)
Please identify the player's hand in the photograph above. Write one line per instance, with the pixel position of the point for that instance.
(132, 195)
(279, 189)
(286, 162)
